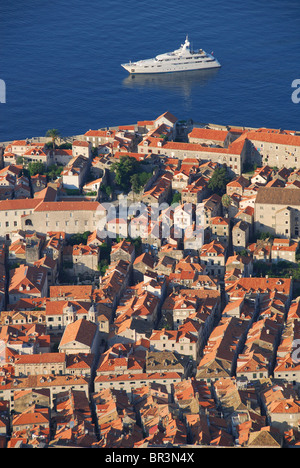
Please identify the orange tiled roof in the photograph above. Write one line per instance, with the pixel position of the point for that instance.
(208, 134)
(31, 277)
(80, 292)
(271, 136)
(81, 330)
(66, 206)
(40, 358)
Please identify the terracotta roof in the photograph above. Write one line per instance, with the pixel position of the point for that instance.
(19, 204)
(57, 307)
(42, 381)
(284, 245)
(123, 245)
(239, 181)
(31, 277)
(82, 249)
(146, 259)
(40, 358)
(282, 285)
(168, 116)
(274, 136)
(80, 143)
(212, 247)
(67, 206)
(208, 134)
(156, 377)
(80, 292)
(234, 148)
(219, 220)
(81, 330)
(100, 133)
(249, 210)
(32, 416)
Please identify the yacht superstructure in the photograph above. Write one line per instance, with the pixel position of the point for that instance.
(182, 59)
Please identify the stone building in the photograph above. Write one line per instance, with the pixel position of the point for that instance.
(123, 250)
(141, 265)
(233, 156)
(75, 173)
(85, 260)
(33, 246)
(278, 148)
(67, 216)
(24, 399)
(196, 191)
(212, 207)
(247, 215)
(40, 364)
(80, 336)
(277, 211)
(213, 256)
(240, 235)
(284, 249)
(220, 229)
(27, 281)
(60, 313)
(82, 148)
(181, 179)
(12, 213)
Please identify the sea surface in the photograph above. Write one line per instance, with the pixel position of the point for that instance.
(60, 61)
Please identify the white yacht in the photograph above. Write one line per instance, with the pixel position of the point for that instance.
(182, 59)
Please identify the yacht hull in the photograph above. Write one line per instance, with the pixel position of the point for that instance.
(135, 68)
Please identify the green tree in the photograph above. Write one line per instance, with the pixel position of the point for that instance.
(176, 198)
(139, 180)
(102, 266)
(137, 242)
(144, 177)
(108, 191)
(219, 180)
(226, 200)
(54, 171)
(124, 169)
(135, 183)
(129, 174)
(54, 134)
(79, 238)
(20, 160)
(36, 168)
(265, 235)
(65, 146)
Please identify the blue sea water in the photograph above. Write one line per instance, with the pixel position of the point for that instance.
(61, 60)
